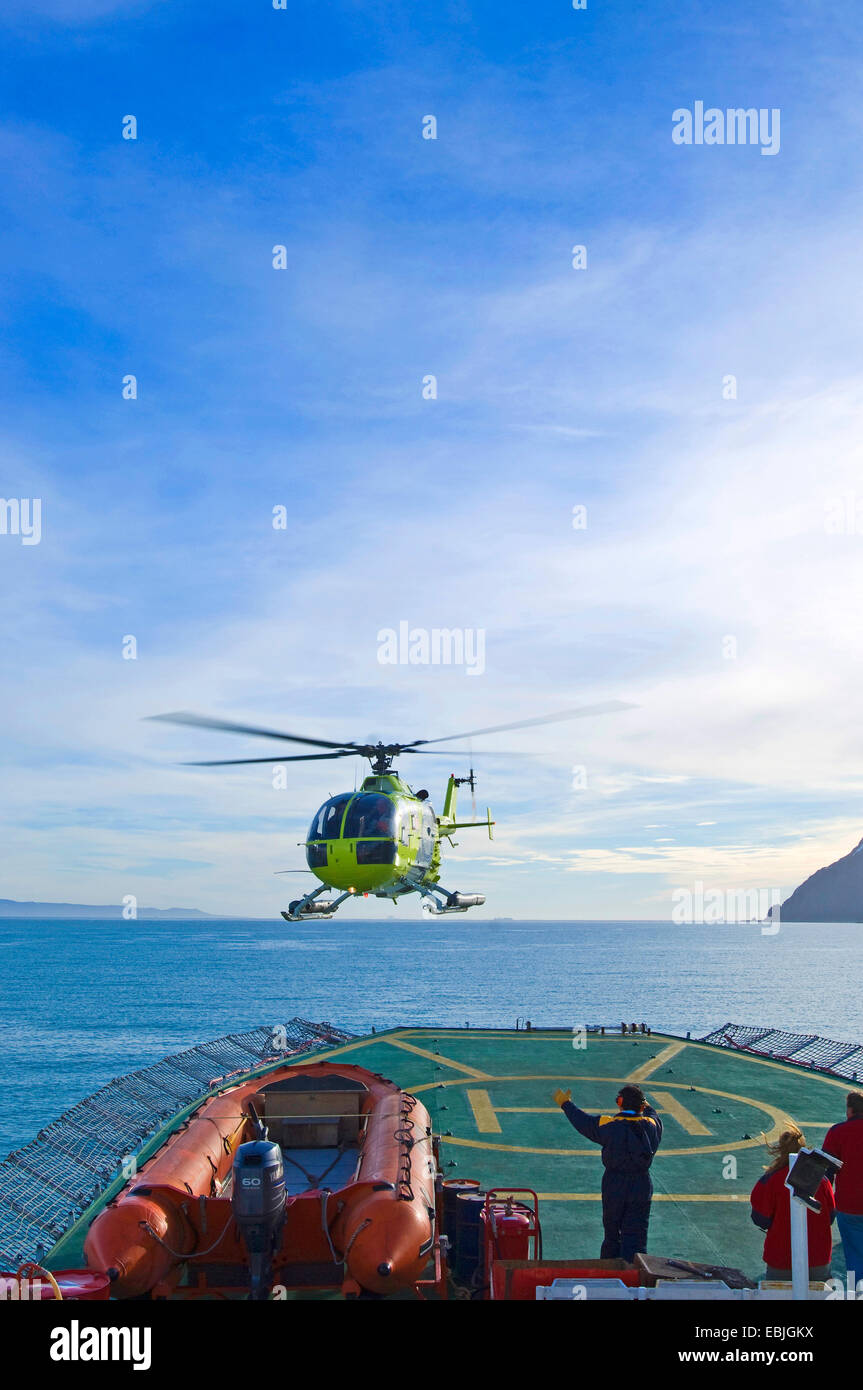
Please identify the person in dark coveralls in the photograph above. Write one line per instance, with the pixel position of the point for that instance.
(629, 1141)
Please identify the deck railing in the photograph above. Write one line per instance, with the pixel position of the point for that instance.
(843, 1059)
(48, 1184)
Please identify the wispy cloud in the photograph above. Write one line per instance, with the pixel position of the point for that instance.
(706, 585)
(77, 14)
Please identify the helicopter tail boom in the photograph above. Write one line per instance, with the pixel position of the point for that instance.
(472, 824)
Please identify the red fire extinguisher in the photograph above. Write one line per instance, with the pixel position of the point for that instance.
(509, 1227)
(511, 1230)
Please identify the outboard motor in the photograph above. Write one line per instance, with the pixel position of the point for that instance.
(258, 1204)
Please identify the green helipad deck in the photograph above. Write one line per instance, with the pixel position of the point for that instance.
(490, 1095)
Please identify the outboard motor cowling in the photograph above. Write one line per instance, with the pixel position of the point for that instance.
(258, 1205)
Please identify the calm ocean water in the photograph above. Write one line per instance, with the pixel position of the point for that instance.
(84, 1001)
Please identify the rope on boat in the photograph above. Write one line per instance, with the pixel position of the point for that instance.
(179, 1254)
(361, 1227)
(325, 1225)
(314, 1180)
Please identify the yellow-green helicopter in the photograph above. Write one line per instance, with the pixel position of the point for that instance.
(384, 839)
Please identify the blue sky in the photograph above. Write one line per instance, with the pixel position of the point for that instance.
(556, 387)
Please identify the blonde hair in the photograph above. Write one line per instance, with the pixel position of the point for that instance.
(790, 1141)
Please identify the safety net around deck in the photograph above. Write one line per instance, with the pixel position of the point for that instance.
(46, 1185)
(843, 1059)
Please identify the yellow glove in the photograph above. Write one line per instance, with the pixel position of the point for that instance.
(561, 1096)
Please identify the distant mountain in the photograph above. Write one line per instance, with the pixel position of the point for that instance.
(832, 894)
(71, 911)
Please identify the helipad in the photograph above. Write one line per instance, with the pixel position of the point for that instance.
(490, 1095)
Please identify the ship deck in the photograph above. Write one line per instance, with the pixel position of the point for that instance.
(489, 1093)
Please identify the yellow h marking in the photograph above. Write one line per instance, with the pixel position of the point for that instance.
(648, 1068)
(436, 1057)
(483, 1112)
(671, 1106)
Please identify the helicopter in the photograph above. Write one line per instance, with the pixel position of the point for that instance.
(383, 840)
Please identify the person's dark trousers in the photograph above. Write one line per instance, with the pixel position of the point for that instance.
(625, 1214)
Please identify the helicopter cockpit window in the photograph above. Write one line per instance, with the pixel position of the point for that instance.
(375, 851)
(328, 822)
(316, 856)
(370, 816)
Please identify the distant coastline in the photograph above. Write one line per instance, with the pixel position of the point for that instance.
(113, 912)
(11, 910)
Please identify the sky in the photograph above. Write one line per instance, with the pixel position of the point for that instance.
(694, 387)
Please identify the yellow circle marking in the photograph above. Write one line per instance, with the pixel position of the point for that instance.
(780, 1119)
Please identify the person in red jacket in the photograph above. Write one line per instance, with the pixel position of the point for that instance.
(845, 1141)
(771, 1211)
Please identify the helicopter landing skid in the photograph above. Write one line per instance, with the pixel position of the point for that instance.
(305, 909)
(453, 902)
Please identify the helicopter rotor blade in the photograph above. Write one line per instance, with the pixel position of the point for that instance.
(348, 749)
(461, 752)
(394, 751)
(273, 758)
(226, 726)
(584, 712)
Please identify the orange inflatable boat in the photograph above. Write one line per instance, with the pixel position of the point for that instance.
(313, 1176)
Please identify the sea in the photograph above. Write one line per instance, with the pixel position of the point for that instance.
(82, 1002)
